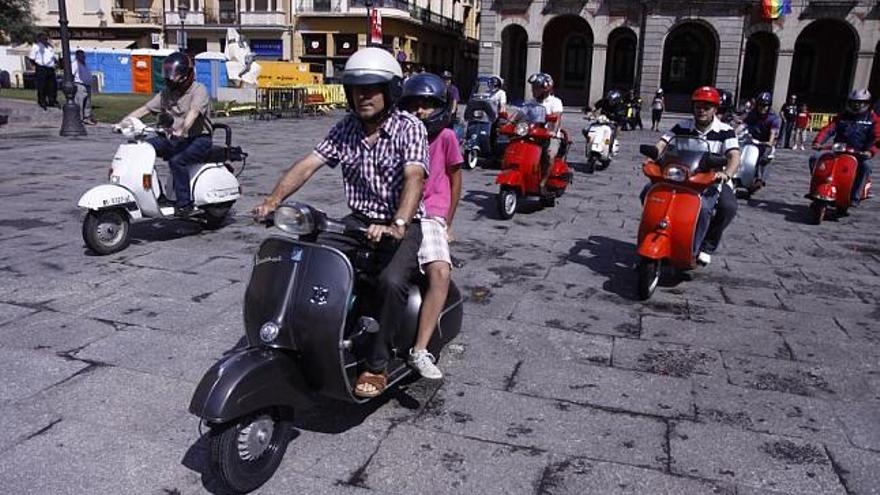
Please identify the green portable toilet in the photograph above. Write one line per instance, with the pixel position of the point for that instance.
(158, 57)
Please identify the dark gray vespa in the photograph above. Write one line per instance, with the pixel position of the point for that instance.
(308, 314)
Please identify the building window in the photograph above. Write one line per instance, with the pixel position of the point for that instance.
(92, 6)
(261, 5)
(315, 44)
(53, 5)
(346, 44)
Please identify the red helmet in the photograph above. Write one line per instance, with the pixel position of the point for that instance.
(707, 94)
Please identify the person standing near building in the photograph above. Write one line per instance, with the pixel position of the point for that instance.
(658, 104)
(82, 78)
(802, 122)
(789, 114)
(43, 57)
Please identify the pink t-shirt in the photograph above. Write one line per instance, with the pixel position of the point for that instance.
(443, 155)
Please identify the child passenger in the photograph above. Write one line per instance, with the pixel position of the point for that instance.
(425, 96)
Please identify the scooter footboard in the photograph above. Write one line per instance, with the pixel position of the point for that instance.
(246, 381)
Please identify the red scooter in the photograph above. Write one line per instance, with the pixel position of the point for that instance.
(521, 165)
(834, 176)
(672, 206)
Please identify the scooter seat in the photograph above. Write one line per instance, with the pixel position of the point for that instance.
(222, 154)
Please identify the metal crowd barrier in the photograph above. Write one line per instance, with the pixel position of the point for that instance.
(820, 120)
(297, 100)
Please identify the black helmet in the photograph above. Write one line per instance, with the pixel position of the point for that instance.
(726, 104)
(764, 98)
(429, 86)
(496, 82)
(613, 97)
(369, 66)
(177, 70)
(541, 79)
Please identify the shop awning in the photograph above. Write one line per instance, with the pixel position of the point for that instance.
(117, 44)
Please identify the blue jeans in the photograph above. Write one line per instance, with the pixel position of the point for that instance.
(180, 154)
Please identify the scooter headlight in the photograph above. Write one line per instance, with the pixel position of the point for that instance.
(269, 332)
(522, 128)
(675, 173)
(295, 218)
(838, 147)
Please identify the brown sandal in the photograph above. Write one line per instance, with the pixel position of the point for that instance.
(370, 385)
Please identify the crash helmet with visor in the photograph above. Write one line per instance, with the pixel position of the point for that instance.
(428, 88)
(373, 66)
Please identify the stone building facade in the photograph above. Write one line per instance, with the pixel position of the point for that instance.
(819, 51)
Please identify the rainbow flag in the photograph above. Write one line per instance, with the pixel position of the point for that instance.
(772, 9)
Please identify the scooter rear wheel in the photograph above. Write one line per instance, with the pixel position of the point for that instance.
(246, 453)
(819, 210)
(216, 214)
(649, 277)
(106, 231)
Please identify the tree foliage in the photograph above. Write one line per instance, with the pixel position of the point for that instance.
(16, 22)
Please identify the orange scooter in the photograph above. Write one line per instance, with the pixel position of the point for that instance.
(672, 206)
(521, 166)
(834, 176)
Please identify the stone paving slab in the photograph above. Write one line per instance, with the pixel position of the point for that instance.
(857, 468)
(54, 332)
(752, 459)
(678, 360)
(860, 421)
(807, 379)
(25, 373)
(721, 336)
(766, 411)
(546, 425)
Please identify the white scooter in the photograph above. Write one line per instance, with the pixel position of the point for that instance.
(599, 148)
(135, 191)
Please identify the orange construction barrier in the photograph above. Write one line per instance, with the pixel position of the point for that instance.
(141, 74)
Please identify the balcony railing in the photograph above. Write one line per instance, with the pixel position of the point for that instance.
(263, 18)
(131, 16)
(416, 12)
(192, 18)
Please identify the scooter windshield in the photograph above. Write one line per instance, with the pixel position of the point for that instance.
(481, 109)
(685, 151)
(530, 112)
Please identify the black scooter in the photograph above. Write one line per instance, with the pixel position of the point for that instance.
(308, 315)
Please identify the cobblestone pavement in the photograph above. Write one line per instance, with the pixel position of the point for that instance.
(758, 375)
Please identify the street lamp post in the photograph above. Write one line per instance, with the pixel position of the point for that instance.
(71, 121)
(182, 10)
(369, 5)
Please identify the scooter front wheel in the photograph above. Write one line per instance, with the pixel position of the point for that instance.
(246, 453)
(106, 231)
(507, 201)
(649, 277)
(471, 159)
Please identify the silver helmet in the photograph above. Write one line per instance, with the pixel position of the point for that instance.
(370, 66)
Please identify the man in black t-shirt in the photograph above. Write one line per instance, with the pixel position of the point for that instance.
(789, 114)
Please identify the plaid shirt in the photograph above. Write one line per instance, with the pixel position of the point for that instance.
(373, 175)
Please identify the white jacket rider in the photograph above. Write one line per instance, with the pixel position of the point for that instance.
(542, 93)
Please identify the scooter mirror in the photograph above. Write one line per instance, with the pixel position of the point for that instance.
(649, 150)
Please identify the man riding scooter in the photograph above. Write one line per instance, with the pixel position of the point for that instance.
(612, 107)
(763, 124)
(542, 92)
(859, 128)
(722, 140)
(383, 156)
(188, 103)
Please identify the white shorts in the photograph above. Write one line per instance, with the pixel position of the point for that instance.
(435, 243)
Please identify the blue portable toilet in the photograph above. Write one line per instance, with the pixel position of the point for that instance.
(211, 71)
(115, 65)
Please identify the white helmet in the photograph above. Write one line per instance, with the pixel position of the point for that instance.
(859, 101)
(373, 65)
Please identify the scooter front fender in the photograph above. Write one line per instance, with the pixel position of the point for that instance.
(512, 178)
(108, 196)
(248, 380)
(655, 245)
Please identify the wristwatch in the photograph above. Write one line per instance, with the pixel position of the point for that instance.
(399, 222)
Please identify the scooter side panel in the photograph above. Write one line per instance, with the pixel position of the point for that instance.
(844, 171)
(249, 380)
(448, 324)
(680, 208)
(745, 172)
(511, 178)
(131, 163)
(212, 183)
(110, 196)
(525, 156)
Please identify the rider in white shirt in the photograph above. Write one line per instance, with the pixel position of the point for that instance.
(497, 94)
(542, 92)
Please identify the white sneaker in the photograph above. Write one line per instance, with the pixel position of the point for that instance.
(703, 259)
(423, 362)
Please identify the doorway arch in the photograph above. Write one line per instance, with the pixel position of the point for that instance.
(689, 58)
(620, 69)
(759, 64)
(823, 64)
(514, 50)
(567, 55)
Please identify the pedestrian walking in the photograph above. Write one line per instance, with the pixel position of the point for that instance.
(801, 124)
(82, 78)
(658, 104)
(42, 55)
(788, 113)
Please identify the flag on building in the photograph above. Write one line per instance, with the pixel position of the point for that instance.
(375, 27)
(773, 9)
